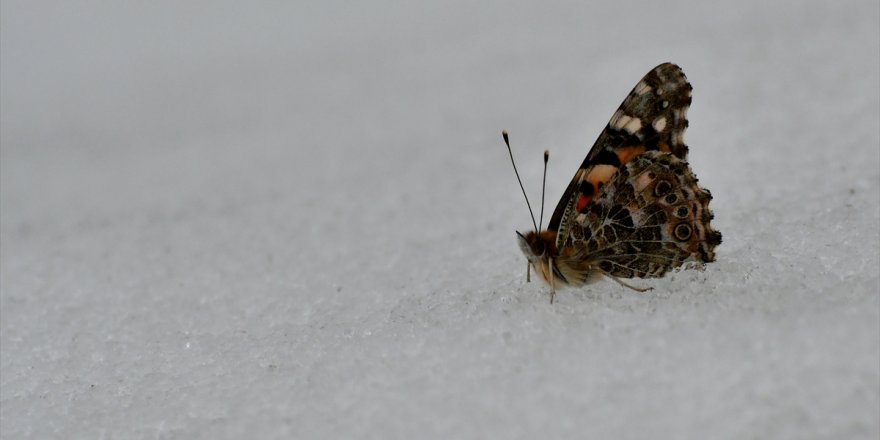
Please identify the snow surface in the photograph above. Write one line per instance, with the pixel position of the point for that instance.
(297, 221)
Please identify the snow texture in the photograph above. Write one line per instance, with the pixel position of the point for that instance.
(296, 220)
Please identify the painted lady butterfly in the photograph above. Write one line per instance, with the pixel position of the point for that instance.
(634, 208)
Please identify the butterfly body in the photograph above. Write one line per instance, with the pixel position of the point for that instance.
(634, 207)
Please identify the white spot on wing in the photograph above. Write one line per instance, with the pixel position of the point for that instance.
(619, 120)
(633, 125)
(615, 118)
(659, 124)
(642, 88)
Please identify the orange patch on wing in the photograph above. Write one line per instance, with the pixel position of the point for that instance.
(596, 176)
(664, 148)
(626, 154)
(582, 202)
(601, 173)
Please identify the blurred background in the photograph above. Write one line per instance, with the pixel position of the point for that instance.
(291, 219)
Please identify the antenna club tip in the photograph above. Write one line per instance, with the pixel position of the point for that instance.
(546, 154)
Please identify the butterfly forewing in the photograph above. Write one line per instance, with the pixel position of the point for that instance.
(653, 117)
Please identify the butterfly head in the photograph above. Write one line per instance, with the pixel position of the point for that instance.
(537, 246)
(540, 251)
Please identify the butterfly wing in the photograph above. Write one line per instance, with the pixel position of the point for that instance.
(652, 216)
(653, 117)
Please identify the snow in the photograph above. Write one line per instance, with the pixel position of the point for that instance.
(298, 222)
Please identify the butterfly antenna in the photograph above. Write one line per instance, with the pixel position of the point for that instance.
(507, 142)
(543, 186)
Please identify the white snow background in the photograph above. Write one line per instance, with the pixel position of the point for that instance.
(296, 220)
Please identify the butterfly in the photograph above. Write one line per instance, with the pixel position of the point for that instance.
(634, 208)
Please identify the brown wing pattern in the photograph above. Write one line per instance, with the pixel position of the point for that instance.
(651, 217)
(653, 117)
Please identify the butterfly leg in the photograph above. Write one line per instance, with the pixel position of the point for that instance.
(552, 281)
(528, 272)
(637, 289)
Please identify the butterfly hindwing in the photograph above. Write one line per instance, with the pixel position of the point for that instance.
(653, 117)
(652, 216)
